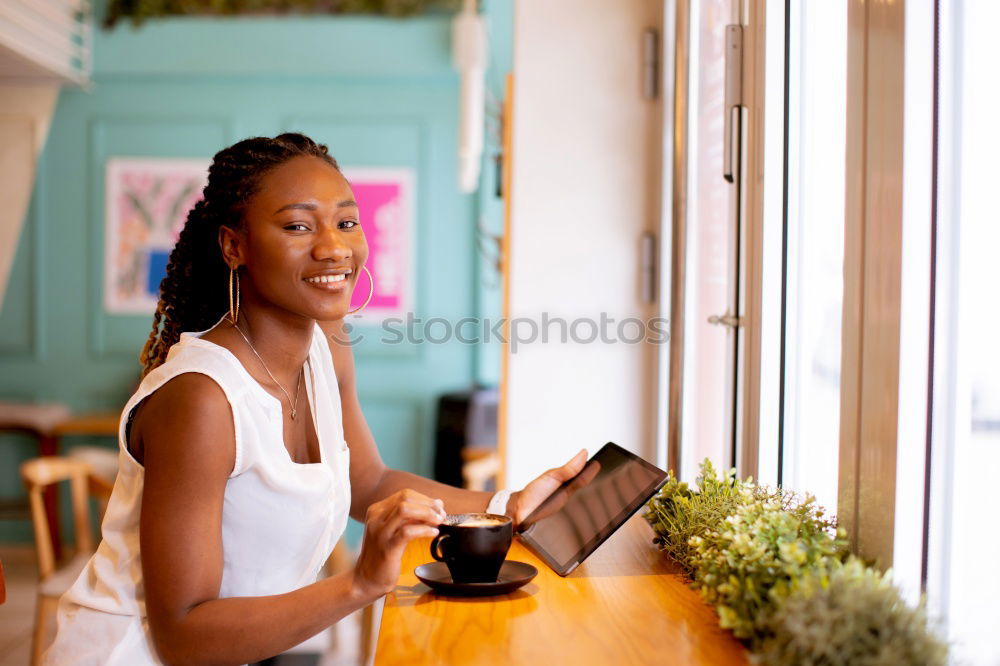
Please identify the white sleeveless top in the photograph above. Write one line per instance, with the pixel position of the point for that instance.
(280, 519)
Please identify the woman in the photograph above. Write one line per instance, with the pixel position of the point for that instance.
(245, 446)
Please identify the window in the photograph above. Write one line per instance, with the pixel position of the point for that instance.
(711, 346)
(814, 247)
(936, 239)
(965, 411)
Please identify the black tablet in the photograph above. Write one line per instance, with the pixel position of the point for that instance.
(583, 512)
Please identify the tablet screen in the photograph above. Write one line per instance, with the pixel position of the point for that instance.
(586, 510)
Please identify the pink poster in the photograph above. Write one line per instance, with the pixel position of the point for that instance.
(386, 203)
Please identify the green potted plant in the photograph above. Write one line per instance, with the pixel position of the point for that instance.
(778, 572)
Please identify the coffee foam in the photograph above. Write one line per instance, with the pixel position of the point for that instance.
(480, 522)
(474, 520)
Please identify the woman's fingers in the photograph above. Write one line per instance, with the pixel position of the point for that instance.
(409, 496)
(553, 478)
(402, 529)
(407, 533)
(419, 512)
(406, 507)
(538, 490)
(389, 525)
(571, 468)
(410, 503)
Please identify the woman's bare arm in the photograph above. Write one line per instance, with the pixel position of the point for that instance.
(187, 440)
(371, 480)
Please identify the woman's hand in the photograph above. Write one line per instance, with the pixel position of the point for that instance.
(389, 526)
(523, 502)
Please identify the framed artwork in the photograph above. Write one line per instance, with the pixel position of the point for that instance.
(147, 201)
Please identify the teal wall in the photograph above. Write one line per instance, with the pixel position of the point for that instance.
(379, 92)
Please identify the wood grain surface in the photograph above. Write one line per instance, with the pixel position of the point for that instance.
(627, 604)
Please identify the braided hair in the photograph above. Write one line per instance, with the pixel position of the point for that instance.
(193, 294)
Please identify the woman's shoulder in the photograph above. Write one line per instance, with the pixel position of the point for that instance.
(189, 397)
(200, 385)
(191, 388)
(198, 356)
(190, 411)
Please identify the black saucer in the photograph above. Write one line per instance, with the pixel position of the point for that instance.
(512, 576)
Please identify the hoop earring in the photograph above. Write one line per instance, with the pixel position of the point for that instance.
(234, 302)
(371, 292)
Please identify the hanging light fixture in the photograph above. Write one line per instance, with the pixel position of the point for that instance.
(469, 55)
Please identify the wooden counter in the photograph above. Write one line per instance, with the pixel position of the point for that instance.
(627, 604)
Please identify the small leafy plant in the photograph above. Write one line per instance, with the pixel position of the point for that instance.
(755, 556)
(777, 571)
(853, 615)
(679, 513)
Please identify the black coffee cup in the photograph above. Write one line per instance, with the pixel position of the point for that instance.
(473, 545)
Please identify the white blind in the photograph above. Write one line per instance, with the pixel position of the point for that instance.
(44, 40)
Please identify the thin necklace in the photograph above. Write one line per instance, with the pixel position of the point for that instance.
(298, 385)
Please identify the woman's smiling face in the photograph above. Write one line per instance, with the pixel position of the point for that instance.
(302, 244)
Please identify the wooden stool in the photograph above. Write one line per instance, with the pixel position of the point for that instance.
(39, 474)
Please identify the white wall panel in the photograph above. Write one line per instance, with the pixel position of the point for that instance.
(585, 186)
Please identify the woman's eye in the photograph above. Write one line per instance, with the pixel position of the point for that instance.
(348, 224)
(296, 227)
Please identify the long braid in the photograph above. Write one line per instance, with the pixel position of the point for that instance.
(193, 294)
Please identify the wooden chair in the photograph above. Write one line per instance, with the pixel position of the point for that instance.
(103, 464)
(39, 422)
(39, 474)
(480, 465)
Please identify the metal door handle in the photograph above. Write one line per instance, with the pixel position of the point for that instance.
(727, 319)
(648, 267)
(732, 95)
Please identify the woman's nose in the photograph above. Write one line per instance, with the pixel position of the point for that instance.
(330, 245)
